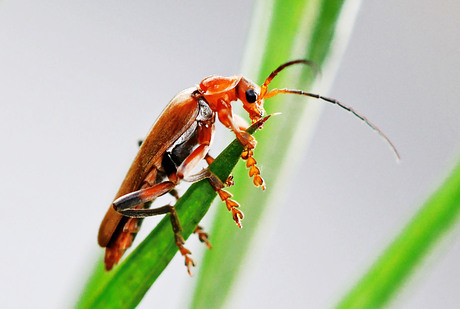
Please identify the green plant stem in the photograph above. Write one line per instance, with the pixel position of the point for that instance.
(125, 286)
(282, 30)
(385, 278)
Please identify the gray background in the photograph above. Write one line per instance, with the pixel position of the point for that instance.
(81, 81)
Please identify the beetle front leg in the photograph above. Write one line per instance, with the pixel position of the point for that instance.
(224, 113)
(246, 140)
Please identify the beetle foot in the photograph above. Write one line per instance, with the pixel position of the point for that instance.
(232, 206)
(229, 182)
(202, 236)
(237, 217)
(254, 171)
(185, 252)
(247, 140)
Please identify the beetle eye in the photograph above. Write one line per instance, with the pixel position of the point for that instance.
(251, 95)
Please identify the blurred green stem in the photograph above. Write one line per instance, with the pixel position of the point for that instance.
(281, 30)
(384, 279)
(126, 285)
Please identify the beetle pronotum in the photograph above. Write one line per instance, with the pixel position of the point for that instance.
(177, 142)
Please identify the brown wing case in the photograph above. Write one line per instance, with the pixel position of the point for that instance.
(176, 118)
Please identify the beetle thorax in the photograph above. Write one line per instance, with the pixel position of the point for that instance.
(219, 88)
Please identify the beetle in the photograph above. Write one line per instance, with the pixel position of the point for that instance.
(177, 142)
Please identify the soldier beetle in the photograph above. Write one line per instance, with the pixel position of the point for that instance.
(177, 142)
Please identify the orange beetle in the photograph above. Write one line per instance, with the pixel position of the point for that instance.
(177, 142)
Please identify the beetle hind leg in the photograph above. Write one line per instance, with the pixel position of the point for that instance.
(179, 240)
(125, 204)
(189, 263)
(202, 236)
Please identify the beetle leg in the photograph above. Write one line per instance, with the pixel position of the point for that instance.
(133, 225)
(224, 113)
(229, 182)
(200, 153)
(123, 205)
(174, 193)
(205, 132)
(218, 186)
(254, 171)
(247, 140)
(240, 122)
(202, 236)
(180, 240)
(192, 160)
(130, 200)
(231, 206)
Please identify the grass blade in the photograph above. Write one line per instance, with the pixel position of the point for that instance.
(386, 277)
(126, 285)
(282, 30)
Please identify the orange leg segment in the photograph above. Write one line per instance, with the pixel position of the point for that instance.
(231, 206)
(229, 182)
(218, 186)
(253, 169)
(202, 236)
(125, 203)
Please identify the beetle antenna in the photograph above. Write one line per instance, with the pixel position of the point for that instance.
(274, 92)
(264, 87)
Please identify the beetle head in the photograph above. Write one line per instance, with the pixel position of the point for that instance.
(249, 93)
(253, 96)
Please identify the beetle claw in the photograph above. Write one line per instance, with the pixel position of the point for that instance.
(202, 236)
(237, 216)
(189, 262)
(229, 182)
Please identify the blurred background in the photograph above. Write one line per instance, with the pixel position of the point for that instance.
(81, 82)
